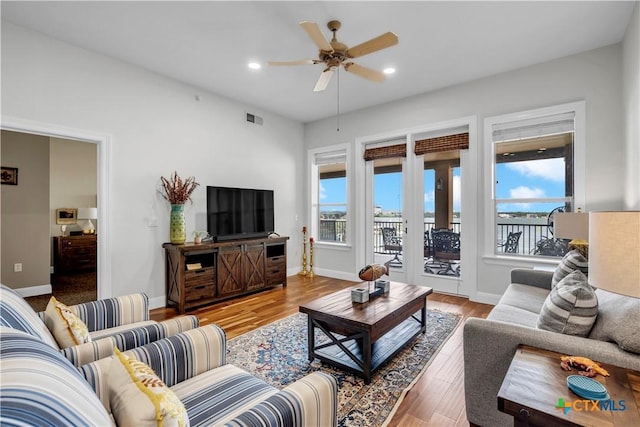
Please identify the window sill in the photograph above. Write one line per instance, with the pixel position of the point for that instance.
(520, 261)
(333, 246)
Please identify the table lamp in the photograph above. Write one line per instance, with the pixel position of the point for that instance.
(88, 214)
(614, 264)
(574, 226)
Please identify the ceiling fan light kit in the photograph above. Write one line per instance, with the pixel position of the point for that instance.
(334, 54)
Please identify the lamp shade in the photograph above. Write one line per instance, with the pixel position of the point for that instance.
(571, 225)
(614, 246)
(87, 213)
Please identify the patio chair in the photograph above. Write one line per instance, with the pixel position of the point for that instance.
(393, 244)
(428, 249)
(428, 243)
(510, 246)
(446, 251)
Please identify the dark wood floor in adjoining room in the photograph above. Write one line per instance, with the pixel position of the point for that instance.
(437, 398)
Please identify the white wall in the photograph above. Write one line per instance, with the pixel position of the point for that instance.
(156, 125)
(630, 77)
(594, 76)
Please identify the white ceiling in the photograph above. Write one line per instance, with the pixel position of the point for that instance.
(208, 44)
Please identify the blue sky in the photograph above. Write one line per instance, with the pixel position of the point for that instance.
(532, 179)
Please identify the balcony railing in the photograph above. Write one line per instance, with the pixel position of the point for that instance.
(536, 238)
(332, 230)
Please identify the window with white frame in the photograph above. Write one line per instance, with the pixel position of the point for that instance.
(534, 170)
(329, 194)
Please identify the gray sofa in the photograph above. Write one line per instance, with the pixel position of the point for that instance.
(489, 344)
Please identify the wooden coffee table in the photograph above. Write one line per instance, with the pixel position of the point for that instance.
(363, 336)
(535, 392)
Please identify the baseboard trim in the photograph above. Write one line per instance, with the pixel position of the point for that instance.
(486, 298)
(337, 274)
(157, 302)
(34, 291)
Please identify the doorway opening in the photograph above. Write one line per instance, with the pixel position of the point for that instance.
(101, 145)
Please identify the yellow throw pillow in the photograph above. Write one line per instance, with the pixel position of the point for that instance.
(139, 398)
(66, 327)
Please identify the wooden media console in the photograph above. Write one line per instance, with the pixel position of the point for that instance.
(200, 274)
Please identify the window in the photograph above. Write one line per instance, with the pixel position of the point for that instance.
(534, 171)
(330, 196)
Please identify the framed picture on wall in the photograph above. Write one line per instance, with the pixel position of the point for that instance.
(66, 216)
(9, 175)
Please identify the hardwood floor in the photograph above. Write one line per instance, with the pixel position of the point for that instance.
(437, 398)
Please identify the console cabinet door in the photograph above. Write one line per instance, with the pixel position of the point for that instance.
(230, 271)
(254, 266)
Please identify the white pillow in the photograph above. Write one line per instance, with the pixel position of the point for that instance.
(139, 398)
(66, 327)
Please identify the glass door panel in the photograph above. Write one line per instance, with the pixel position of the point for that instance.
(440, 265)
(389, 224)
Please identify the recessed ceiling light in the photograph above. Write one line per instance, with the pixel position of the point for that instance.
(389, 70)
(254, 65)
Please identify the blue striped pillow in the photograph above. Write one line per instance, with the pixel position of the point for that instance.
(571, 261)
(571, 307)
(16, 313)
(41, 388)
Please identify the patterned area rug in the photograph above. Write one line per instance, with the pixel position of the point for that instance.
(277, 353)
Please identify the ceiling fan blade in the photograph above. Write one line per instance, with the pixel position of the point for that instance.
(365, 72)
(375, 44)
(323, 81)
(299, 62)
(315, 34)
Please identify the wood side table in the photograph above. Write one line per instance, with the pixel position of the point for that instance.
(535, 392)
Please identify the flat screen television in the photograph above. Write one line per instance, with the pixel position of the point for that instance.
(239, 213)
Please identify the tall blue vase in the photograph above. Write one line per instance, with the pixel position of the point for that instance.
(177, 227)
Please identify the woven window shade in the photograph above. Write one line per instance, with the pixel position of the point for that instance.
(399, 150)
(458, 141)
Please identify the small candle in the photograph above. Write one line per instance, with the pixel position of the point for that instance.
(311, 240)
(304, 229)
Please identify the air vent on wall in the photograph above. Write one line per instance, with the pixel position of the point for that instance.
(252, 118)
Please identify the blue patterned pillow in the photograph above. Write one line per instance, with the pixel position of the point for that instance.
(41, 388)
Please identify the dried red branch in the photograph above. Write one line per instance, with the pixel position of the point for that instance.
(176, 190)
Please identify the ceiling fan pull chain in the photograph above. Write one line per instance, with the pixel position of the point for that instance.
(338, 102)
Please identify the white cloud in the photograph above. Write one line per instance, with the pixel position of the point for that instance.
(456, 193)
(551, 169)
(523, 192)
(430, 196)
(323, 192)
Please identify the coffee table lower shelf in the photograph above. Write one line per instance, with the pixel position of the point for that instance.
(353, 359)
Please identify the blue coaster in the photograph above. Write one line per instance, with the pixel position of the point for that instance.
(587, 387)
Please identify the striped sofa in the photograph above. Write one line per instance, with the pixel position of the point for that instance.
(38, 386)
(121, 322)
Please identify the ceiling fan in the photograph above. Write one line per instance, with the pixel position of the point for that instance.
(334, 54)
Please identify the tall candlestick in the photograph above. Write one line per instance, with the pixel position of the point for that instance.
(310, 274)
(304, 272)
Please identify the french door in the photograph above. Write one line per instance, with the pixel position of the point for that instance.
(386, 221)
(407, 197)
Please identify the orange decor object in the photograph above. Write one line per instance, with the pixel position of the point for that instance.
(585, 366)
